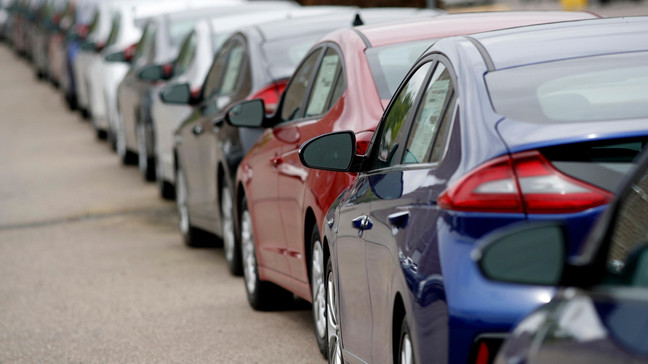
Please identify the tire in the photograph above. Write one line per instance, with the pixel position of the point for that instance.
(231, 249)
(318, 290)
(405, 348)
(190, 235)
(334, 347)
(262, 295)
(125, 156)
(145, 162)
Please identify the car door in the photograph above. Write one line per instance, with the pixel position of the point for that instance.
(234, 84)
(266, 160)
(406, 175)
(322, 90)
(194, 144)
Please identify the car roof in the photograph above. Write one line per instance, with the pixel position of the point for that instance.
(341, 18)
(548, 42)
(457, 24)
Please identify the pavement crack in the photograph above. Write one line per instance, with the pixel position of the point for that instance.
(156, 211)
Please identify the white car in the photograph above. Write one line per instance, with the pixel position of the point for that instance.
(127, 21)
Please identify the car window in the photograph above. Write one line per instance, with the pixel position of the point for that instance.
(393, 122)
(233, 69)
(324, 84)
(144, 47)
(630, 232)
(295, 92)
(186, 55)
(211, 81)
(114, 31)
(429, 114)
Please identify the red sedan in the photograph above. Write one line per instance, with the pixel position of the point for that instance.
(343, 83)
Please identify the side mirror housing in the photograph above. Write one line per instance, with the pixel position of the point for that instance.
(116, 57)
(156, 72)
(89, 46)
(331, 152)
(179, 94)
(248, 114)
(528, 253)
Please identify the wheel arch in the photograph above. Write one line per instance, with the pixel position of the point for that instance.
(310, 223)
(398, 314)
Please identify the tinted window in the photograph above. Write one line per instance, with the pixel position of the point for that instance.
(427, 119)
(630, 231)
(393, 123)
(324, 84)
(609, 87)
(144, 47)
(295, 92)
(390, 64)
(211, 81)
(186, 55)
(233, 70)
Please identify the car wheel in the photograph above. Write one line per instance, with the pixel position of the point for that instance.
(261, 295)
(144, 161)
(405, 349)
(232, 251)
(125, 156)
(334, 349)
(190, 235)
(318, 290)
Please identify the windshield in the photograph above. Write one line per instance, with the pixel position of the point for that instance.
(389, 64)
(609, 87)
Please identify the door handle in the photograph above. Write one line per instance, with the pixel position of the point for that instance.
(399, 219)
(362, 223)
(198, 129)
(276, 160)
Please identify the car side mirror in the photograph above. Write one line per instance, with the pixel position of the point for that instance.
(116, 57)
(330, 152)
(532, 254)
(247, 114)
(89, 46)
(177, 94)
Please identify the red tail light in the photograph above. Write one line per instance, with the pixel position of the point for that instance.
(82, 30)
(99, 46)
(483, 354)
(167, 70)
(129, 52)
(522, 182)
(270, 95)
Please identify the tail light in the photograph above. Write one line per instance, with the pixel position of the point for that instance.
(485, 349)
(99, 46)
(82, 30)
(129, 52)
(522, 182)
(270, 95)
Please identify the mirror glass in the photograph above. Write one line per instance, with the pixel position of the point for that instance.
(531, 255)
(116, 57)
(333, 151)
(151, 73)
(176, 94)
(247, 114)
(89, 46)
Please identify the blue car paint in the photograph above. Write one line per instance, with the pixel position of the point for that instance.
(72, 50)
(427, 264)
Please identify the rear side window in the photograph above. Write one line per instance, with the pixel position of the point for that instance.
(609, 87)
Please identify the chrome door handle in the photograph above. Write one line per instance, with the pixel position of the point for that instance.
(362, 223)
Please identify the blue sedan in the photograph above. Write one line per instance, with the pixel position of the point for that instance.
(535, 123)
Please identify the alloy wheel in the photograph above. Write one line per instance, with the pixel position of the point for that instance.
(335, 349)
(249, 255)
(227, 221)
(318, 289)
(181, 202)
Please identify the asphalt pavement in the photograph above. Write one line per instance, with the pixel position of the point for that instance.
(92, 267)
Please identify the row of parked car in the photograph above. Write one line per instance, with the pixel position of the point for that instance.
(425, 180)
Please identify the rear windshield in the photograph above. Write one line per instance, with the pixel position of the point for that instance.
(389, 64)
(610, 87)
